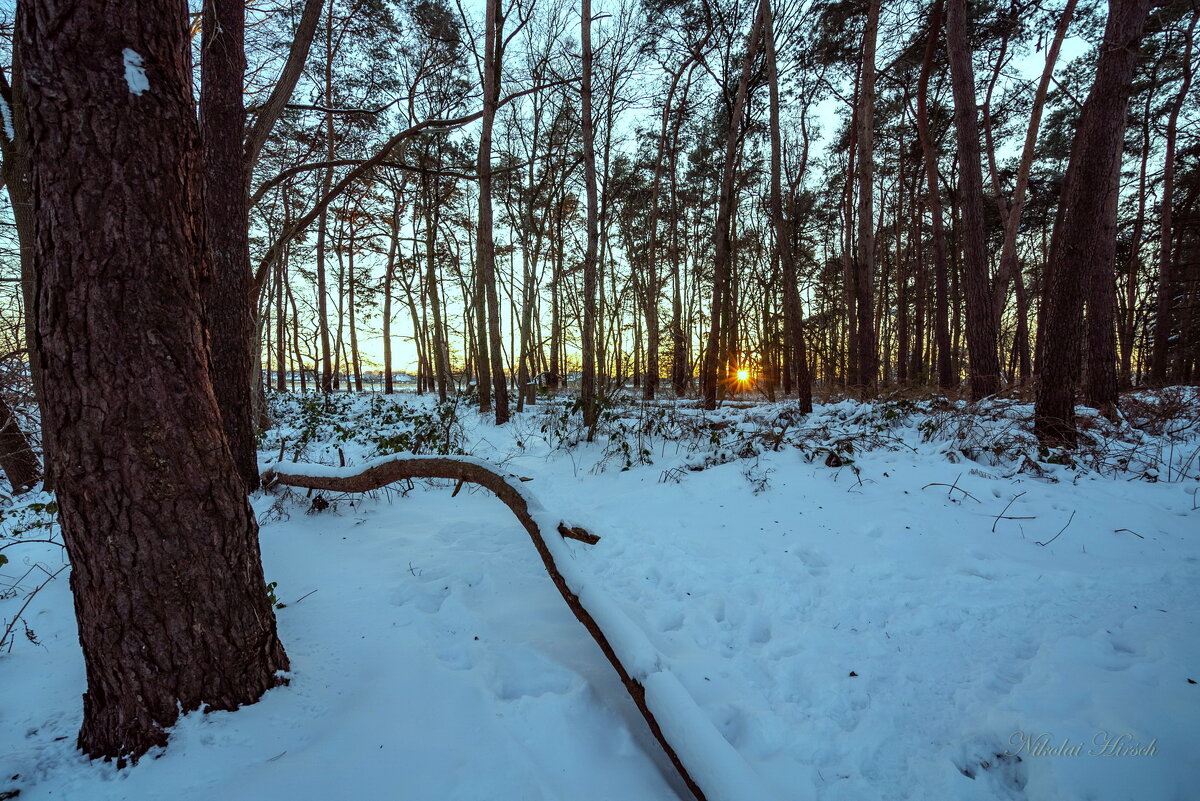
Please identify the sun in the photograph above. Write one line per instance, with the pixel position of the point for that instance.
(743, 375)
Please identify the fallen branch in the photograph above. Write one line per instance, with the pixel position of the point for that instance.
(705, 761)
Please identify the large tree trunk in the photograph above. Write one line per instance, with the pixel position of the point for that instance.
(1083, 221)
(227, 295)
(981, 322)
(169, 592)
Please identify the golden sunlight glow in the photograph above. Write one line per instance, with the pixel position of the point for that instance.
(743, 375)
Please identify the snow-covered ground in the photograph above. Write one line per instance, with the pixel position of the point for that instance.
(860, 614)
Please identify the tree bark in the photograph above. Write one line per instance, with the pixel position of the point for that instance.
(491, 356)
(722, 257)
(169, 592)
(1012, 216)
(941, 304)
(792, 313)
(1162, 310)
(228, 291)
(981, 322)
(864, 266)
(14, 145)
(587, 394)
(17, 459)
(1100, 356)
(1082, 222)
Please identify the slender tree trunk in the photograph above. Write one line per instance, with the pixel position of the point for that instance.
(587, 396)
(792, 314)
(227, 295)
(486, 247)
(169, 592)
(355, 361)
(1083, 221)
(389, 274)
(1100, 357)
(323, 221)
(1012, 217)
(17, 459)
(981, 322)
(1162, 310)
(1129, 321)
(280, 326)
(557, 369)
(941, 310)
(864, 268)
(14, 146)
(722, 258)
(441, 364)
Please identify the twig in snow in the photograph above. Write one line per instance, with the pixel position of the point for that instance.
(1131, 531)
(1059, 534)
(953, 487)
(1001, 516)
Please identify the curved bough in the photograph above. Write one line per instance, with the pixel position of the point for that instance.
(704, 760)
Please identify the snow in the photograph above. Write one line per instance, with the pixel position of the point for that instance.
(135, 71)
(435, 660)
(7, 118)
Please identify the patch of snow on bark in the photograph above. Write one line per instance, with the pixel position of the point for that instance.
(135, 71)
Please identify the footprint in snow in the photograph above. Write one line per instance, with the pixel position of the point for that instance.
(536, 676)
(426, 596)
(759, 630)
(816, 563)
(986, 759)
(669, 621)
(454, 654)
(1117, 654)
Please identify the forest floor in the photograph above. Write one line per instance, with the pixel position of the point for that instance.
(896, 600)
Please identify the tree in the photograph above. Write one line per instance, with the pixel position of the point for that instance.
(228, 309)
(14, 148)
(716, 352)
(1162, 312)
(981, 322)
(793, 316)
(864, 266)
(491, 346)
(169, 592)
(17, 460)
(1086, 222)
(587, 395)
(941, 313)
